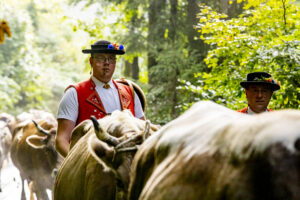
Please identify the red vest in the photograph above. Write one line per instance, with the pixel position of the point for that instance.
(91, 104)
(244, 110)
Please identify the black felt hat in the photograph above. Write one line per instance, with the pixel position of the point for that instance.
(260, 78)
(103, 46)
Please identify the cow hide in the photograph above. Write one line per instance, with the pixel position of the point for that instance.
(211, 152)
(98, 163)
(33, 153)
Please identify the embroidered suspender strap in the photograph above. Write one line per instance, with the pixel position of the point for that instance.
(131, 87)
(135, 89)
(129, 83)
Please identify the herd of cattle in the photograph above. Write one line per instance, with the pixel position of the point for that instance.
(210, 152)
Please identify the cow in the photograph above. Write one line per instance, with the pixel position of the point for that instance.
(5, 141)
(35, 114)
(212, 152)
(98, 163)
(9, 120)
(33, 153)
(7, 123)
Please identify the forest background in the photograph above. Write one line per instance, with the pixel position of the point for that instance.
(178, 51)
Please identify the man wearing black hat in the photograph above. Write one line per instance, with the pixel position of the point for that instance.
(98, 96)
(259, 88)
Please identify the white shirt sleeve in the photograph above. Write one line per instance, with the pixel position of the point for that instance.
(68, 106)
(138, 110)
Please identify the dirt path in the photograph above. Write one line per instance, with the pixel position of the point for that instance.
(11, 183)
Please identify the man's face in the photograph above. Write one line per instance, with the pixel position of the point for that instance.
(103, 66)
(258, 97)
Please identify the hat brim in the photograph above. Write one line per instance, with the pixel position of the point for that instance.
(245, 84)
(111, 51)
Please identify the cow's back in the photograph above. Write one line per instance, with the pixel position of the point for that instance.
(211, 152)
(91, 178)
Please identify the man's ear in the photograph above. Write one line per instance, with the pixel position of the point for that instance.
(91, 60)
(246, 92)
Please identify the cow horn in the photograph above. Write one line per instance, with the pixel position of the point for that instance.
(103, 135)
(133, 138)
(145, 135)
(125, 149)
(147, 130)
(41, 130)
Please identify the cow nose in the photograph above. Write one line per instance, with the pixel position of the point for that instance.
(297, 144)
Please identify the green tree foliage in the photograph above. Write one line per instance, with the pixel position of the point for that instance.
(162, 47)
(19, 79)
(39, 59)
(265, 37)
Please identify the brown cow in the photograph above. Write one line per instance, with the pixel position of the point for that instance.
(98, 164)
(9, 120)
(7, 123)
(211, 152)
(5, 141)
(33, 153)
(34, 114)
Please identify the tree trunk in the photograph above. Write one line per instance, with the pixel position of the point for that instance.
(173, 25)
(191, 21)
(127, 69)
(135, 68)
(224, 4)
(173, 19)
(156, 30)
(132, 69)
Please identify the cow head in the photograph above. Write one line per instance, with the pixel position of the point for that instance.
(116, 153)
(44, 139)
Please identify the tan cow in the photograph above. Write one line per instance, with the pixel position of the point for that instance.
(211, 152)
(33, 153)
(7, 123)
(5, 142)
(9, 120)
(35, 114)
(98, 164)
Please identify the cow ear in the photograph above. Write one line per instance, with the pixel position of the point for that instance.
(37, 142)
(100, 150)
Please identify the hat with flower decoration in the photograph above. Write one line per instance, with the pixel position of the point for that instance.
(260, 78)
(103, 46)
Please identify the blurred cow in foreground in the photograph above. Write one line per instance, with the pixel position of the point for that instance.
(7, 122)
(33, 152)
(211, 152)
(99, 161)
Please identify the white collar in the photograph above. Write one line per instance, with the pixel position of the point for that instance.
(100, 84)
(251, 112)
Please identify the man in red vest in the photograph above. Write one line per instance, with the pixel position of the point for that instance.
(98, 96)
(259, 88)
